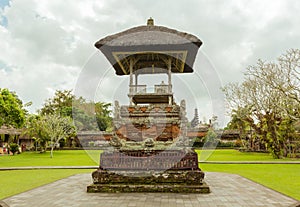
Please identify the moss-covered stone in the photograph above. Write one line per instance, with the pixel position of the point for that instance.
(185, 181)
(130, 188)
(190, 177)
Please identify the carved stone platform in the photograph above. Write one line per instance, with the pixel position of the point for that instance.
(145, 160)
(174, 171)
(187, 181)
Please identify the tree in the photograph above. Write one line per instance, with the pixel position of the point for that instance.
(34, 127)
(61, 103)
(49, 129)
(86, 114)
(289, 84)
(211, 138)
(12, 113)
(103, 118)
(57, 128)
(266, 99)
(282, 77)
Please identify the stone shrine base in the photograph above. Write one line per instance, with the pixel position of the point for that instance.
(179, 181)
(159, 188)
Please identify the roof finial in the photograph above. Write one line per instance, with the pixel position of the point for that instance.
(150, 22)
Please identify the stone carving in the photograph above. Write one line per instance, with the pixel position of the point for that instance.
(149, 142)
(182, 142)
(116, 142)
(183, 110)
(182, 104)
(117, 110)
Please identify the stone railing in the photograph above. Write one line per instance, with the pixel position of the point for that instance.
(137, 89)
(143, 89)
(163, 89)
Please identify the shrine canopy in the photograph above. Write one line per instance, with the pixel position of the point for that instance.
(154, 49)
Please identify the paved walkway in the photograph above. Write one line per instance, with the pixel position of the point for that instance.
(227, 190)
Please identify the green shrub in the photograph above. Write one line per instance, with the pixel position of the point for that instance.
(13, 147)
(238, 143)
(222, 144)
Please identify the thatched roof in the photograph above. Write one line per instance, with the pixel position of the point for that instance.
(11, 131)
(150, 45)
(148, 35)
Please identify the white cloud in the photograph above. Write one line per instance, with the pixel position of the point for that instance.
(47, 43)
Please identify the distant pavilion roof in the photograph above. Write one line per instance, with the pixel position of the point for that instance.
(10, 130)
(150, 46)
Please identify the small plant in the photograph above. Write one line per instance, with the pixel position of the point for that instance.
(238, 143)
(13, 147)
(211, 138)
(92, 144)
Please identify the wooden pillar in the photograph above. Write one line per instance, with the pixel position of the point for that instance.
(136, 79)
(131, 71)
(169, 74)
(131, 77)
(169, 79)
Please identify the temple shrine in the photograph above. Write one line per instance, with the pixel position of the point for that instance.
(149, 149)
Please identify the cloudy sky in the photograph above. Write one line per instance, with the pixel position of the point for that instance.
(48, 45)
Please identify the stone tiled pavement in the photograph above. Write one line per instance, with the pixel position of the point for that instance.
(227, 190)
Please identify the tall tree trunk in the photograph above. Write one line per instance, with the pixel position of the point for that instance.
(51, 152)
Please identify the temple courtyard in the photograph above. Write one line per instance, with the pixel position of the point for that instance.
(226, 190)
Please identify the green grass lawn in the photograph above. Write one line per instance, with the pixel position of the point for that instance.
(60, 158)
(14, 182)
(235, 155)
(280, 177)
